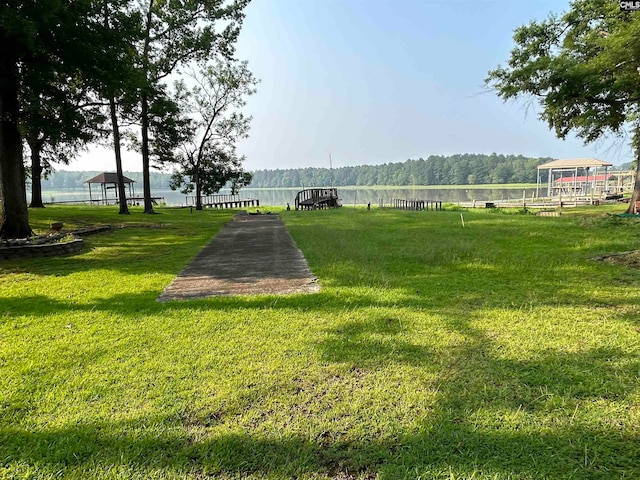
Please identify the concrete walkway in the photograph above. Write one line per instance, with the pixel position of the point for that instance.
(251, 255)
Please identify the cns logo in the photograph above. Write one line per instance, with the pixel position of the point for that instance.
(630, 6)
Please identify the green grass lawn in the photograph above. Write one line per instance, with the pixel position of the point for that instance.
(500, 350)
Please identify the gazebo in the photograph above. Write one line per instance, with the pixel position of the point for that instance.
(571, 176)
(109, 181)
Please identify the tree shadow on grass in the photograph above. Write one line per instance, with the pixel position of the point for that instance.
(547, 414)
(365, 343)
(493, 416)
(512, 418)
(127, 251)
(427, 277)
(41, 305)
(455, 440)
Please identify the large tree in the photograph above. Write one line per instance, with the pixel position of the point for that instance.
(57, 33)
(216, 169)
(17, 37)
(208, 160)
(176, 33)
(582, 68)
(57, 118)
(117, 79)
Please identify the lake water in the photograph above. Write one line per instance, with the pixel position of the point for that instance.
(362, 196)
(349, 196)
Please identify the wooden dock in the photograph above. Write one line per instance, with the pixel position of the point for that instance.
(539, 203)
(223, 201)
(403, 204)
(313, 198)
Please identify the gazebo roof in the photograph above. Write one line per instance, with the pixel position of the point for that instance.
(575, 163)
(108, 177)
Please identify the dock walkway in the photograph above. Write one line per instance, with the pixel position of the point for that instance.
(222, 201)
(251, 255)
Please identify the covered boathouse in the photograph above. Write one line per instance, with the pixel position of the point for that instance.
(575, 177)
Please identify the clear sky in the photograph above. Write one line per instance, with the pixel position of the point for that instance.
(379, 81)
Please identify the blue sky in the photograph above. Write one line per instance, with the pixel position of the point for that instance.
(378, 81)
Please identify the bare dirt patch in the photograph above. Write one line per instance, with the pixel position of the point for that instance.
(629, 259)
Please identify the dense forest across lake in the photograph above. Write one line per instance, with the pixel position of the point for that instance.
(460, 169)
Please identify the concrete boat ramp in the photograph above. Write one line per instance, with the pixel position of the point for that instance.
(251, 255)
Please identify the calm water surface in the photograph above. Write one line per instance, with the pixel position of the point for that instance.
(350, 196)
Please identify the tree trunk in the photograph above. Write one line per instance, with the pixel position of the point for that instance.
(635, 196)
(122, 193)
(35, 146)
(144, 107)
(15, 215)
(198, 191)
(146, 177)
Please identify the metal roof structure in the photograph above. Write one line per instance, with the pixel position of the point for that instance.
(575, 163)
(558, 182)
(584, 178)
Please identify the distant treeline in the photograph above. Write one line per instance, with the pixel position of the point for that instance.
(463, 169)
(68, 180)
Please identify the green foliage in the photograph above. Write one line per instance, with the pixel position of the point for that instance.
(176, 34)
(415, 172)
(498, 350)
(511, 211)
(170, 126)
(582, 69)
(459, 169)
(208, 159)
(66, 59)
(44, 46)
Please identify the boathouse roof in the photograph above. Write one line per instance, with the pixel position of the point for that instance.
(575, 163)
(583, 178)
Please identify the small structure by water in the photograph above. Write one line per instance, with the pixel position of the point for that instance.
(108, 181)
(575, 177)
(313, 198)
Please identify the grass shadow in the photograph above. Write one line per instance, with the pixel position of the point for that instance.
(441, 367)
(367, 343)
